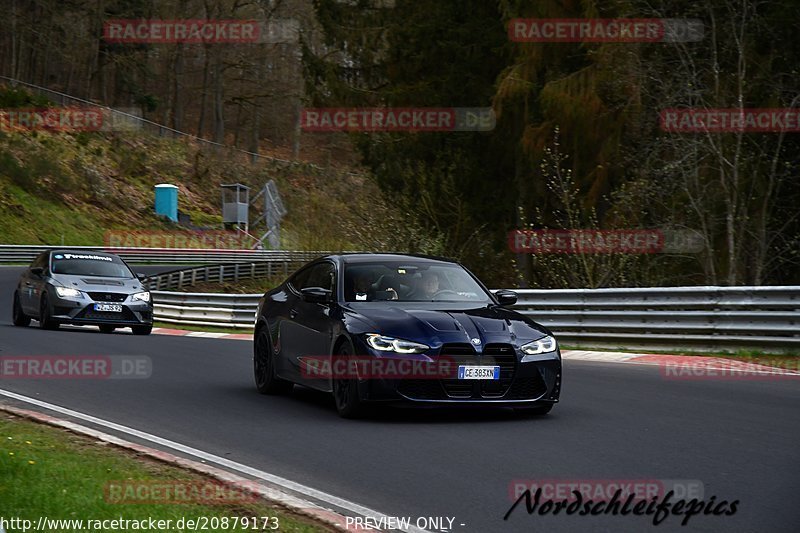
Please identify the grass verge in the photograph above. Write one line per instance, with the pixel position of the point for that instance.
(53, 473)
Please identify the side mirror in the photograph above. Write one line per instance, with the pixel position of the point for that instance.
(37, 271)
(506, 297)
(316, 295)
(141, 276)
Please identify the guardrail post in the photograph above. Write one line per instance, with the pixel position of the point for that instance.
(180, 280)
(236, 273)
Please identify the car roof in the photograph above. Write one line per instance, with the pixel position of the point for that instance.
(350, 258)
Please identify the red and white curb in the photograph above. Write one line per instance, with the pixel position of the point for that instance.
(203, 334)
(291, 502)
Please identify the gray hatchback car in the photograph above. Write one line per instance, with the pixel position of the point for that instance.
(83, 288)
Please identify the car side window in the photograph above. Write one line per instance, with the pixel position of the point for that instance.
(300, 280)
(322, 275)
(41, 261)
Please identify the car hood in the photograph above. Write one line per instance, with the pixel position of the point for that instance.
(99, 284)
(443, 325)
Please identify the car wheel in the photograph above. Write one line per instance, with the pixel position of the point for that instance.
(539, 410)
(18, 316)
(107, 329)
(45, 322)
(142, 330)
(267, 382)
(345, 391)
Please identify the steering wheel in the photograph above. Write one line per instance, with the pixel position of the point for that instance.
(444, 291)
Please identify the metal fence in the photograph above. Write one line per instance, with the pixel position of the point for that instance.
(272, 267)
(691, 317)
(14, 254)
(201, 309)
(672, 317)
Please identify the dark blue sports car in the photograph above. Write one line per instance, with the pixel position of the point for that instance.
(380, 328)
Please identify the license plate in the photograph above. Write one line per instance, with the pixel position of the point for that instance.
(478, 372)
(109, 308)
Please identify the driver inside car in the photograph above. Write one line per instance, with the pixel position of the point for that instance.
(427, 286)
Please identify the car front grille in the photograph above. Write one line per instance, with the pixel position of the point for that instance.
(502, 355)
(90, 314)
(461, 354)
(107, 296)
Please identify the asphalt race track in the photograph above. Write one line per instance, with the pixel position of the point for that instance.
(741, 439)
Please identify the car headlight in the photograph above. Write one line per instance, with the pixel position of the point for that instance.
(390, 344)
(544, 345)
(143, 296)
(68, 292)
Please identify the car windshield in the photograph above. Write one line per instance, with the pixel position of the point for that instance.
(411, 282)
(90, 265)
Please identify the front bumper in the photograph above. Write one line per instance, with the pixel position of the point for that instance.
(80, 311)
(521, 384)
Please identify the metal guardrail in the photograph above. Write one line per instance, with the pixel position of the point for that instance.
(10, 254)
(204, 309)
(274, 266)
(715, 317)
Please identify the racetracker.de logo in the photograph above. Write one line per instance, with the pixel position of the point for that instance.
(199, 239)
(190, 31)
(633, 241)
(730, 120)
(68, 119)
(75, 367)
(714, 369)
(155, 492)
(604, 489)
(388, 367)
(605, 30)
(53, 119)
(398, 119)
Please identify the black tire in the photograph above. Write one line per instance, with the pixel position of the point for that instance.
(142, 330)
(345, 391)
(539, 410)
(107, 329)
(267, 382)
(18, 316)
(45, 322)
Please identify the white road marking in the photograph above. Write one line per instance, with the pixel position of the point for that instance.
(309, 492)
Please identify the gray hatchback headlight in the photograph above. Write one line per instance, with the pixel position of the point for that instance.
(68, 292)
(141, 296)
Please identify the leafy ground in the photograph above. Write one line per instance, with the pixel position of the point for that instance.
(70, 188)
(60, 475)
